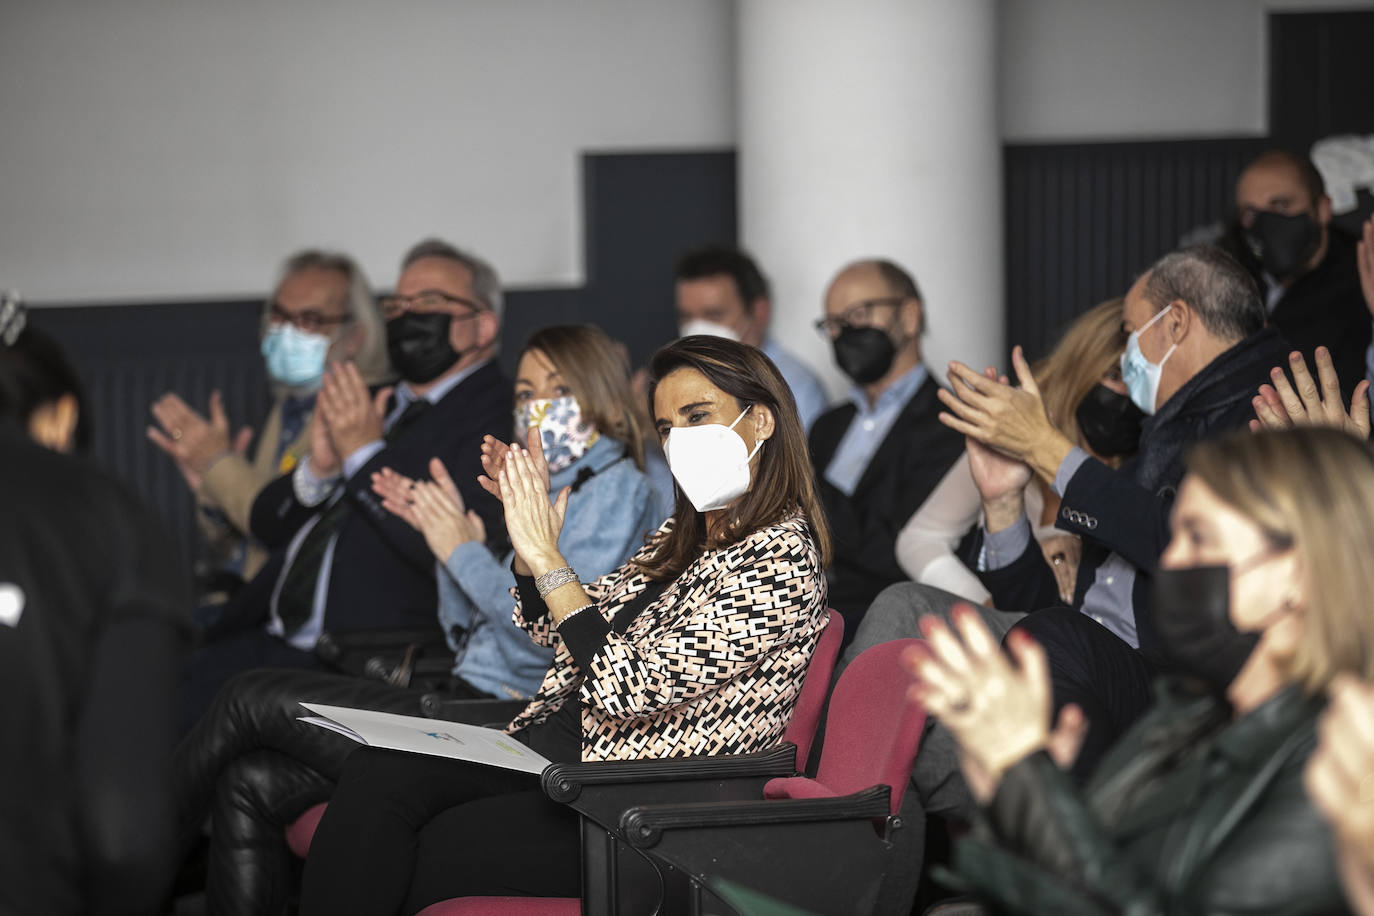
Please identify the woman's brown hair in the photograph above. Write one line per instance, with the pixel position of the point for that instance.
(1309, 490)
(598, 373)
(784, 482)
(1089, 350)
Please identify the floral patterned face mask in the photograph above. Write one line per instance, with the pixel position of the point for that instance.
(562, 431)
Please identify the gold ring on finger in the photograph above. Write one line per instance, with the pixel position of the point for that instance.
(176, 435)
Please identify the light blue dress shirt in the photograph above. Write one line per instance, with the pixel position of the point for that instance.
(807, 390)
(869, 428)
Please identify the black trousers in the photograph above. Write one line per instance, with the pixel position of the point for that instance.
(1091, 666)
(403, 831)
(252, 768)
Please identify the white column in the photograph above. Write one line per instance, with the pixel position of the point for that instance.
(869, 128)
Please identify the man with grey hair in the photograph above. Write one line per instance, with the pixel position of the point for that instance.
(321, 311)
(1198, 351)
(340, 562)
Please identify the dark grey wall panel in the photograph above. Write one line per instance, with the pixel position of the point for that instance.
(1082, 220)
(1321, 75)
(643, 210)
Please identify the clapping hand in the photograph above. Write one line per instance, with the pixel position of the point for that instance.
(1009, 420)
(1340, 774)
(1314, 403)
(997, 707)
(532, 521)
(191, 440)
(435, 508)
(1001, 480)
(494, 455)
(395, 490)
(353, 417)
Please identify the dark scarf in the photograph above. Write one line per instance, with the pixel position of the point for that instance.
(1214, 401)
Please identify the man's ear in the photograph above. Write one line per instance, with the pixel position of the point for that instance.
(913, 317)
(1323, 209)
(353, 341)
(489, 328)
(761, 312)
(1180, 321)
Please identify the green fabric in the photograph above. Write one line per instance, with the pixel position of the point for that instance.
(749, 902)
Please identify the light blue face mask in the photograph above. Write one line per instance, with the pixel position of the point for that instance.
(1141, 376)
(295, 358)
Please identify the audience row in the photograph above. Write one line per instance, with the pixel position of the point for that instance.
(1134, 597)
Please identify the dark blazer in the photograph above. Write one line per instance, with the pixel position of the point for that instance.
(912, 459)
(382, 574)
(1126, 511)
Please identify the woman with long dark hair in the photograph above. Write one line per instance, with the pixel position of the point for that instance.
(657, 659)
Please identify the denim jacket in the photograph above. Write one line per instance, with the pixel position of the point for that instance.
(608, 517)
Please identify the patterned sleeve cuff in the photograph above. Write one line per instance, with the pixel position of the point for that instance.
(584, 632)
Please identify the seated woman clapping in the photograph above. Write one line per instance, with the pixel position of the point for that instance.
(697, 646)
(573, 400)
(1261, 599)
(250, 765)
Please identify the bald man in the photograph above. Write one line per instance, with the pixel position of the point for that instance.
(878, 456)
(1307, 269)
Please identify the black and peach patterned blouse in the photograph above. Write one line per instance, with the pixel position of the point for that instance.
(712, 666)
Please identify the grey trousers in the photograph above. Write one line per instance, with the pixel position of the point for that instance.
(894, 615)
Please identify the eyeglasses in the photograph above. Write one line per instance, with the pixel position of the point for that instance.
(431, 300)
(311, 321)
(859, 315)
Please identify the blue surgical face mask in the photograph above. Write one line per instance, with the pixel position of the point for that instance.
(294, 358)
(1141, 376)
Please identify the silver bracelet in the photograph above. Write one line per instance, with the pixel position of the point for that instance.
(553, 579)
(571, 614)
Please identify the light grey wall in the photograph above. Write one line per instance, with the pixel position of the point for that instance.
(180, 148)
(1137, 69)
(173, 148)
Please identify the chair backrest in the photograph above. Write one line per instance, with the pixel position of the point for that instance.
(872, 731)
(806, 714)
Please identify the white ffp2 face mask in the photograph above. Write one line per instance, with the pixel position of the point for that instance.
(709, 463)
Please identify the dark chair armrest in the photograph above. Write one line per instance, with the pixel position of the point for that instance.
(643, 825)
(564, 782)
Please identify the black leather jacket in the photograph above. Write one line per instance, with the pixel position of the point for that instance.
(1190, 812)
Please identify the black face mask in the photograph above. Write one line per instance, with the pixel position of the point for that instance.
(1109, 422)
(1283, 244)
(418, 345)
(1192, 617)
(864, 354)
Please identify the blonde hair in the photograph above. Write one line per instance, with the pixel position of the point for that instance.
(1089, 349)
(1311, 490)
